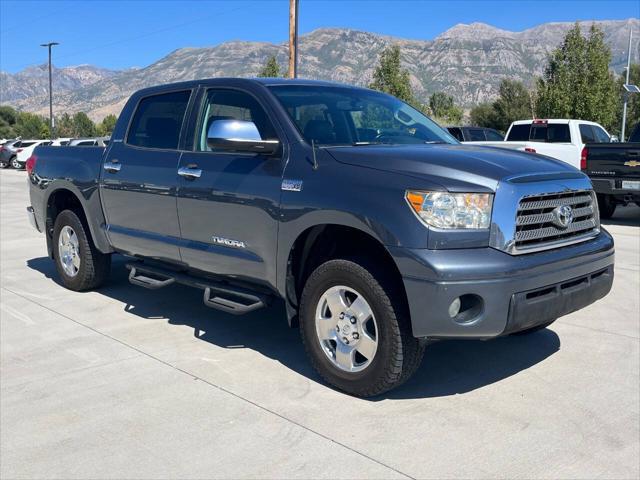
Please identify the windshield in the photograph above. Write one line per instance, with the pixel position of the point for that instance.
(351, 116)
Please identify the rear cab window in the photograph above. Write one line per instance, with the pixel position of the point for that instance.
(519, 133)
(493, 136)
(476, 135)
(456, 132)
(158, 119)
(586, 133)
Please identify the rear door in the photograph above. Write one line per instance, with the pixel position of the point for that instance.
(229, 213)
(139, 179)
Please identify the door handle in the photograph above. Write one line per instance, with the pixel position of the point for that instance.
(190, 172)
(113, 166)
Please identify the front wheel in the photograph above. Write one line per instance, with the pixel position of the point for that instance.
(356, 329)
(15, 163)
(80, 264)
(606, 206)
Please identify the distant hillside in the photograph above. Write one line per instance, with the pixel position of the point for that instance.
(466, 61)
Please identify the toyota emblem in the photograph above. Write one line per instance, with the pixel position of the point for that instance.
(562, 216)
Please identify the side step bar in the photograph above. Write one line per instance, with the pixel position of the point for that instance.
(221, 296)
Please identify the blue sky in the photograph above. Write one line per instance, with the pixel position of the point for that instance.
(119, 34)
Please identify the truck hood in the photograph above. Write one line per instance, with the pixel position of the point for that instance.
(455, 167)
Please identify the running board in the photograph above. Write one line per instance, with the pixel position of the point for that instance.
(218, 295)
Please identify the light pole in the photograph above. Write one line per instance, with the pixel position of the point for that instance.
(49, 45)
(627, 92)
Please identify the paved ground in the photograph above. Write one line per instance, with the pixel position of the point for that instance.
(130, 383)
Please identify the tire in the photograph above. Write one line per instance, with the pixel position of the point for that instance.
(4, 164)
(534, 329)
(397, 355)
(15, 163)
(91, 266)
(606, 205)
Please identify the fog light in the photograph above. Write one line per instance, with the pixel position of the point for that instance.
(454, 308)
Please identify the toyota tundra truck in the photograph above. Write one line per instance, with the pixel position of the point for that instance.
(374, 227)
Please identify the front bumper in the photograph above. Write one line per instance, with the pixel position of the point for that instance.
(502, 293)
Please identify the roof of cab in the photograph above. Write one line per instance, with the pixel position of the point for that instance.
(237, 81)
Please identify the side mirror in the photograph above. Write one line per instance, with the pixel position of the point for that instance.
(239, 136)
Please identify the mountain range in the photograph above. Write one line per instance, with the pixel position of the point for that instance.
(467, 61)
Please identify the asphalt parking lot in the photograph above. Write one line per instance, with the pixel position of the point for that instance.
(129, 383)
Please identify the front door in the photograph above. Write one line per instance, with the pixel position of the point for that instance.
(229, 213)
(139, 179)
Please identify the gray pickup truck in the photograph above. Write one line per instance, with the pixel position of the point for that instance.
(374, 227)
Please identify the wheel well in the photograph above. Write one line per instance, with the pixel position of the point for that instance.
(324, 242)
(58, 201)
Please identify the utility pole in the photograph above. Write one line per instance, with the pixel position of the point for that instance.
(49, 45)
(293, 38)
(626, 93)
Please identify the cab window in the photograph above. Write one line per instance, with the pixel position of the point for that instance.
(158, 120)
(232, 105)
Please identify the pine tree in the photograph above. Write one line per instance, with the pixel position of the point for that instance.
(271, 69)
(390, 77)
(83, 126)
(577, 82)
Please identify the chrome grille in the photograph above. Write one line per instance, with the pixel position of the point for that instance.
(536, 221)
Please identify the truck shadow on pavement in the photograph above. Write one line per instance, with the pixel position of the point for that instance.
(449, 367)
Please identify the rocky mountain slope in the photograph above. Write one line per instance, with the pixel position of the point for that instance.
(467, 61)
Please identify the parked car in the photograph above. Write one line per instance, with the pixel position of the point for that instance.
(8, 151)
(614, 169)
(375, 228)
(25, 151)
(557, 138)
(475, 134)
(61, 142)
(88, 142)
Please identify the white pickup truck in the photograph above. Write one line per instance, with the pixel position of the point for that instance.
(557, 138)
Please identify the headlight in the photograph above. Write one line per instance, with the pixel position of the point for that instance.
(452, 210)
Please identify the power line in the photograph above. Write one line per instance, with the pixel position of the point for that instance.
(136, 37)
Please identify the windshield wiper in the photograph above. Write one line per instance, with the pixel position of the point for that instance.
(360, 144)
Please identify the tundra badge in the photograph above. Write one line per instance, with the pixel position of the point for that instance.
(227, 242)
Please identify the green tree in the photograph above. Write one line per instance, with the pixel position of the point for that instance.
(64, 126)
(633, 106)
(83, 126)
(484, 115)
(577, 82)
(444, 109)
(271, 69)
(30, 125)
(513, 103)
(107, 125)
(8, 119)
(390, 77)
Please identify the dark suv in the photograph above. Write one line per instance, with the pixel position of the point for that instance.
(475, 134)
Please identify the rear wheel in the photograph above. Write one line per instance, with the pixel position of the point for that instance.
(606, 205)
(356, 330)
(4, 163)
(80, 264)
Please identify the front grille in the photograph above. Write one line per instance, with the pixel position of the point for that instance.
(537, 223)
